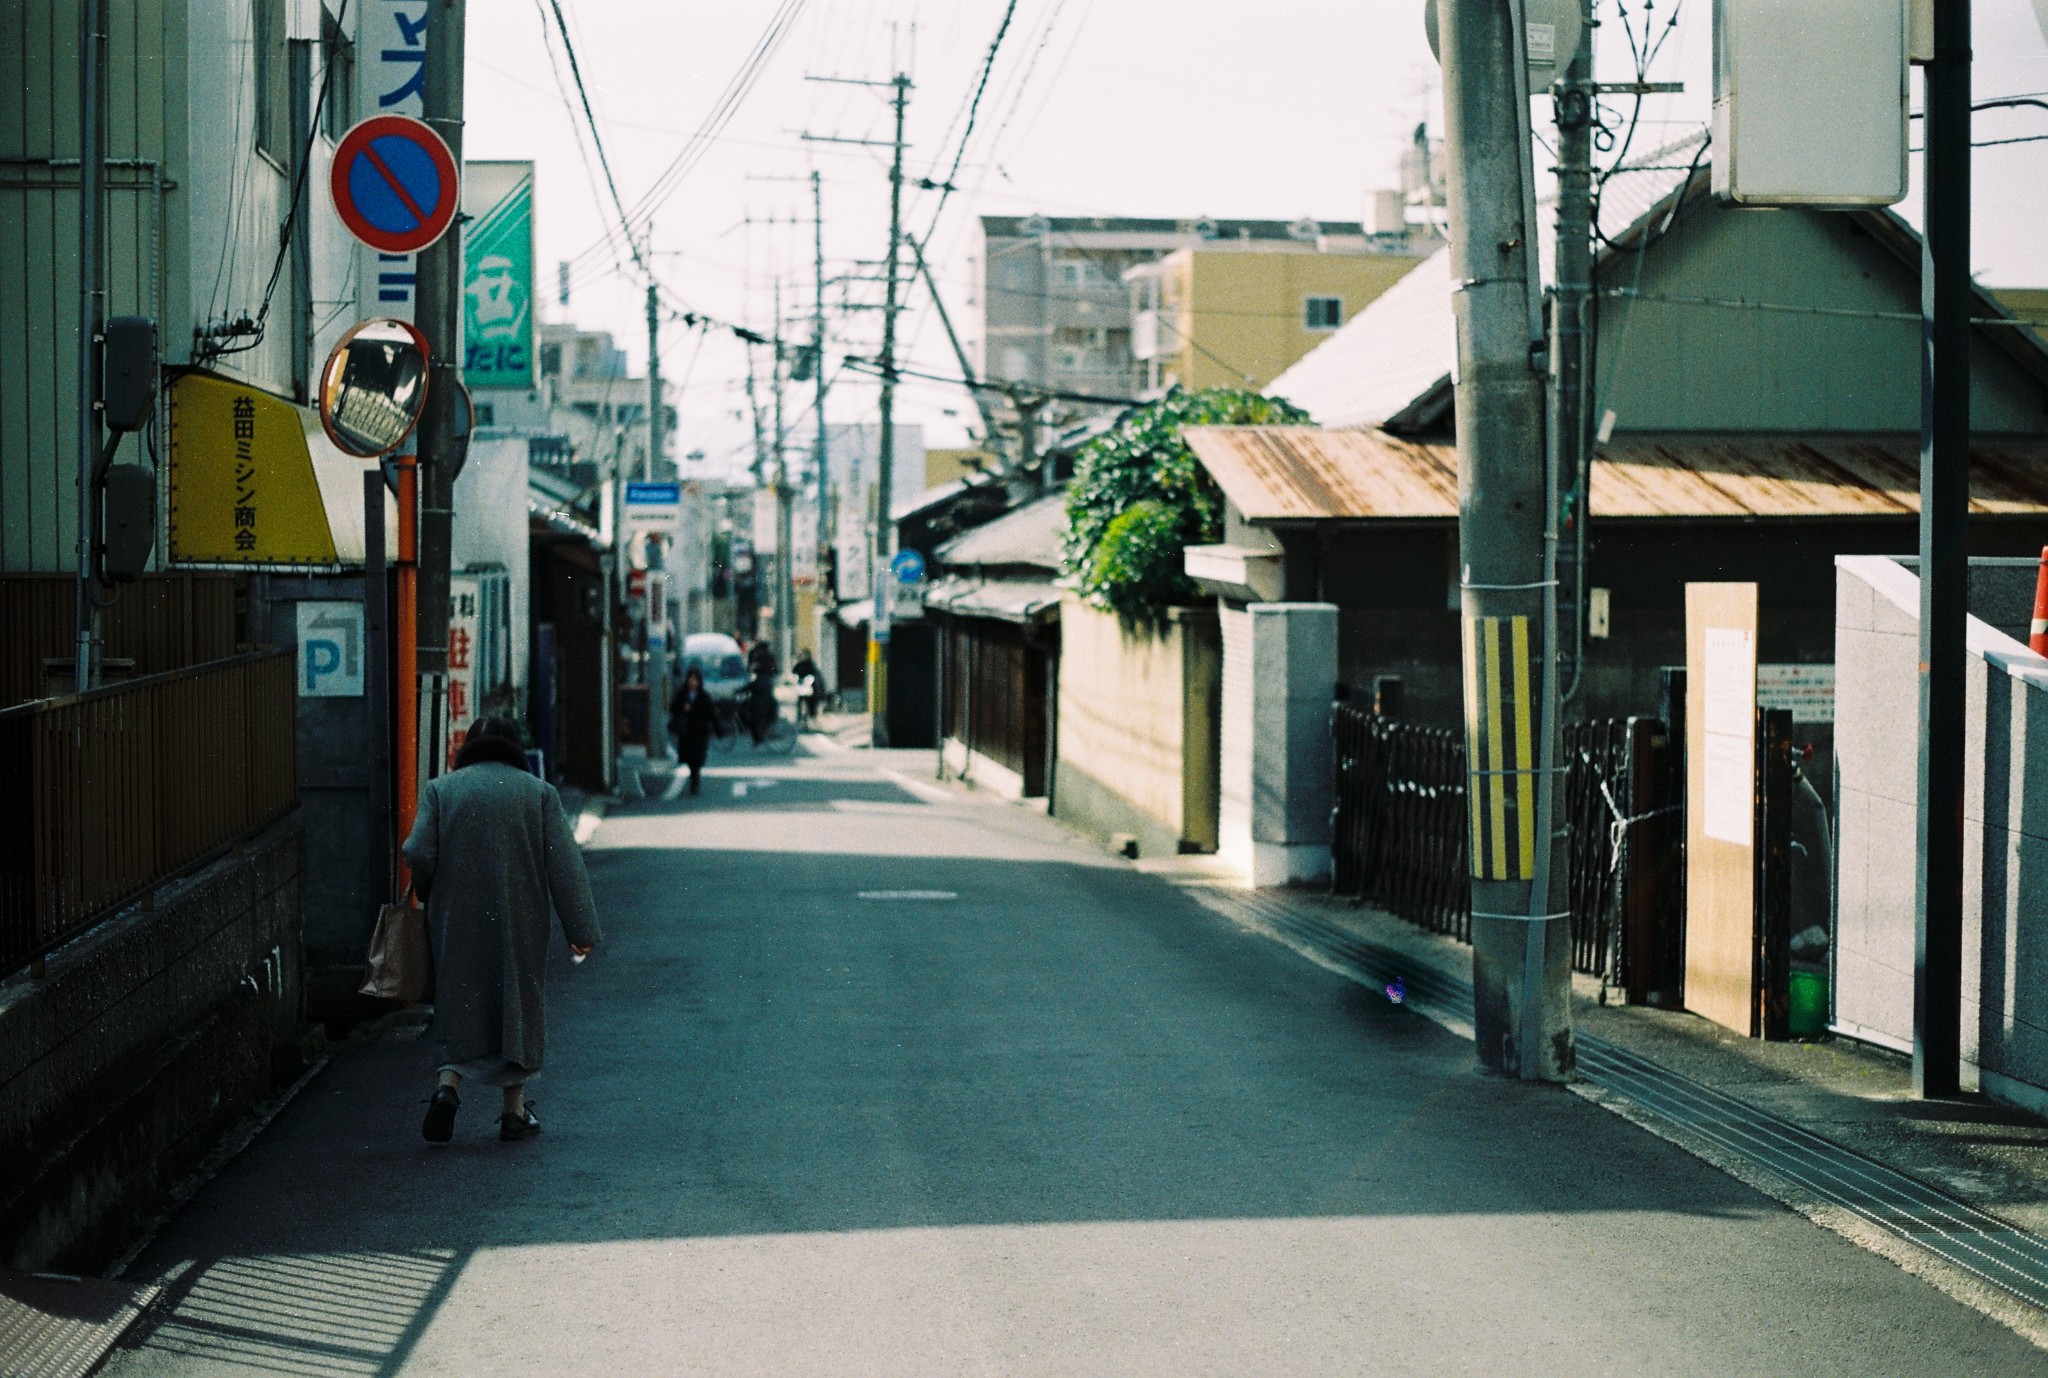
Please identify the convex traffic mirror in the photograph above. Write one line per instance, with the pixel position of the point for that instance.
(374, 387)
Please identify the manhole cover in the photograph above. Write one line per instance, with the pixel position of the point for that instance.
(56, 1326)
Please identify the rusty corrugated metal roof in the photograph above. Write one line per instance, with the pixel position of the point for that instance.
(1299, 473)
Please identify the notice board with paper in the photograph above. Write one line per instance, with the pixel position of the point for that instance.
(1720, 803)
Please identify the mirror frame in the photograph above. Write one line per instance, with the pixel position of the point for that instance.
(426, 374)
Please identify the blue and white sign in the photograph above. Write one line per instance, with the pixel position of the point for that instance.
(654, 507)
(908, 565)
(330, 650)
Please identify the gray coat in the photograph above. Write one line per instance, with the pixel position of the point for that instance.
(490, 848)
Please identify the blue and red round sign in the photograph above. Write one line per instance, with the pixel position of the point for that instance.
(394, 183)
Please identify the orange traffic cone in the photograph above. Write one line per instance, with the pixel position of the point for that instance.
(2037, 634)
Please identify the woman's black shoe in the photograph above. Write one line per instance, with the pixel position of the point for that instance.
(521, 1126)
(440, 1125)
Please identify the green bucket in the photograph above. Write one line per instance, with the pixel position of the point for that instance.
(1807, 1008)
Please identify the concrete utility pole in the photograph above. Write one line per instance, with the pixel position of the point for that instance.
(818, 381)
(1945, 294)
(439, 316)
(785, 580)
(883, 540)
(92, 319)
(1570, 346)
(1521, 939)
(654, 407)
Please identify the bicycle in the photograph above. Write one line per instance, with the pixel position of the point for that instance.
(729, 727)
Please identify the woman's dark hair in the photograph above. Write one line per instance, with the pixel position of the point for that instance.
(492, 739)
(693, 673)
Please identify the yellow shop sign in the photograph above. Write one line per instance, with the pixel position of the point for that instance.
(242, 484)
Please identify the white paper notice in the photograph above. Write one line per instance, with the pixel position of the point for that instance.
(1729, 811)
(1730, 690)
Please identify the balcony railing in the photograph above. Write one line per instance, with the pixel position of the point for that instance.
(110, 793)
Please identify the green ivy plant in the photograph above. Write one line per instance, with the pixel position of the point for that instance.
(1140, 498)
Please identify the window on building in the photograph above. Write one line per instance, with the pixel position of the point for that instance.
(484, 414)
(550, 360)
(339, 55)
(1079, 272)
(272, 73)
(1322, 313)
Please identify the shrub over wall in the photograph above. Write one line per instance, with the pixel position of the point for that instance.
(1139, 498)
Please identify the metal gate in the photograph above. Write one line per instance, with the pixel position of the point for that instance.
(1400, 834)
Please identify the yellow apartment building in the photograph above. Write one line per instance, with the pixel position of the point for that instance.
(1236, 313)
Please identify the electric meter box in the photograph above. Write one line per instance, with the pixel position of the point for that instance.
(1810, 102)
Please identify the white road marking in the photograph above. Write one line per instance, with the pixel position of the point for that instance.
(931, 794)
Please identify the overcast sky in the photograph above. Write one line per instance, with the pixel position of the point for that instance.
(1094, 107)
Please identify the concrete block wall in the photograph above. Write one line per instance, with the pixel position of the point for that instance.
(1279, 677)
(1136, 707)
(143, 1042)
(2005, 819)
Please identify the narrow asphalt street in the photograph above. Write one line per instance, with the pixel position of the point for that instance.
(874, 1080)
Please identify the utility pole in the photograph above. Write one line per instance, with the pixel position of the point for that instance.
(785, 585)
(818, 380)
(884, 537)
(1521, 940)
(881, 532)
(92, 317)
(654, 407)
(439, 316)
(1945, 294)
(1570, 346)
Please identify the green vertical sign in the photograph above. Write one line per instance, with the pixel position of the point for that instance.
(497, 275)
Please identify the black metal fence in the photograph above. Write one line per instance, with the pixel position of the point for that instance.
(1401, 833)
(1400, 828)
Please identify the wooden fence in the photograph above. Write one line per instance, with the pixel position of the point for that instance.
(160, 622)
(110, 793)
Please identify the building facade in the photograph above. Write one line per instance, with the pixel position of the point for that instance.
(1236, 313)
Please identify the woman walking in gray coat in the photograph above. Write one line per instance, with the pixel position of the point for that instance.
(489, 851)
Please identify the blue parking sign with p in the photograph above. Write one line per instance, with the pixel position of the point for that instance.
(330, 649)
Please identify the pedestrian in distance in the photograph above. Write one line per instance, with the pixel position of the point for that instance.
(810, 683)
(491, 853)
(691, 719)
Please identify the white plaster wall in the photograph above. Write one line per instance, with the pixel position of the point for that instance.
(2005, 819)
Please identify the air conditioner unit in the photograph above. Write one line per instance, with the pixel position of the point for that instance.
(1304, 228)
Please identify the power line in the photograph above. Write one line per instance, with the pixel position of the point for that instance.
(874, 366)
(568, 107)
(714, 123)
(590, 118)
(973, 110)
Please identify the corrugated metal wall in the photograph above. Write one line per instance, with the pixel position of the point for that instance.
(39, 44)
(190, 240)
(1687, 366)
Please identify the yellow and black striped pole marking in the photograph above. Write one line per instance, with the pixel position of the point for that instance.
(1500, 751)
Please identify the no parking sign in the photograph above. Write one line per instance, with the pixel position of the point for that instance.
(394, 184)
